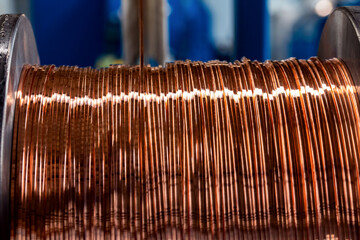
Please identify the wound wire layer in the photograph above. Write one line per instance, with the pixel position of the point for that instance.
(190, 150)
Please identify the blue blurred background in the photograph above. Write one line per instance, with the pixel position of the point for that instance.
(88, 32)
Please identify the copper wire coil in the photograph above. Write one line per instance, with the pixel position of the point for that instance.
(192, 150)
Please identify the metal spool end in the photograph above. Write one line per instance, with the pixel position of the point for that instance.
(17, 47)
(341, 39)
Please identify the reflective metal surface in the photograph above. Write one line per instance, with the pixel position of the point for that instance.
(17, 47)
(341, 39)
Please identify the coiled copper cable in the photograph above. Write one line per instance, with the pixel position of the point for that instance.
(193, 150)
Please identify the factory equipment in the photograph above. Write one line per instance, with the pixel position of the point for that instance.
(189, 150)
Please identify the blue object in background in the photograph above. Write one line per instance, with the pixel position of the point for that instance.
(69, 32)
(252, 30)
(349, 3)
(190, 31)
(112, 31)
(78, 32)
(306, 36)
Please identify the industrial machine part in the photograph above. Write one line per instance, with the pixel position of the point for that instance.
(155, 31)
(340, 39)
(18, 47)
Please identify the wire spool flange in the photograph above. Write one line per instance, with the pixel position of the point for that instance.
(17, 47)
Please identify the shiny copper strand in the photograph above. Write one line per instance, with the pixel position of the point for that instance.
(193, 150)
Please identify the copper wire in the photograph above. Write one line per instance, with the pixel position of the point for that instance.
(191, 150)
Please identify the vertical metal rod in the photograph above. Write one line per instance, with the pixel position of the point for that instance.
(141, 36)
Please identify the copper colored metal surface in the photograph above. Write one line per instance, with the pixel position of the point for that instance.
(194, 150)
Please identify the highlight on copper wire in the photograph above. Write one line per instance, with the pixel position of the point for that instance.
(190, 150)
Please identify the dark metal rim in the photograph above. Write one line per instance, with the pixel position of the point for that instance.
(341, 39)
(17, 47)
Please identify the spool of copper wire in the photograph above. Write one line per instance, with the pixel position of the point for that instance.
(191, 150)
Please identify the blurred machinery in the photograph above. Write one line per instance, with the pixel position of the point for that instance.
(155, 31)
